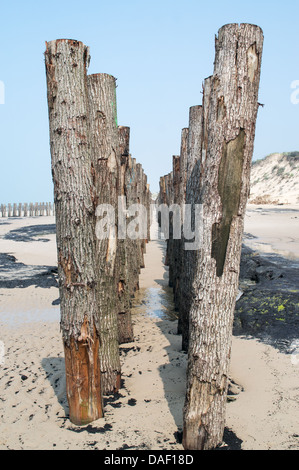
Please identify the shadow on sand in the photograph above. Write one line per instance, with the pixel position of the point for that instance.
(15, 274)
(55, 373)
(158, 302)
(30, 233)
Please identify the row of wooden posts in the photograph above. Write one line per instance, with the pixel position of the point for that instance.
(27, 210)
(91, 166)
(98, 276)
(212, 172)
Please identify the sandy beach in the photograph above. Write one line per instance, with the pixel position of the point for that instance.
(263, 405)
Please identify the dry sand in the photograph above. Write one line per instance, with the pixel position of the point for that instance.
(147, 413)
(275, 229)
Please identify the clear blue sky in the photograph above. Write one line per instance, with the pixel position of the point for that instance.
(160, 51)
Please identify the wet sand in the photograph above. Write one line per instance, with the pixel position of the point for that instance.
(146, 414)
(262, 413)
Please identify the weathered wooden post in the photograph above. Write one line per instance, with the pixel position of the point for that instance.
(126, 247)
(66, 64)
(149, 211)
(14, 212)
(189, 257)
(139, 200)
(144, 203)
(178, 244)
(160, 198)
(25, 209)
(222, 190)
(171, 243)
(105, 168)
(133, 248)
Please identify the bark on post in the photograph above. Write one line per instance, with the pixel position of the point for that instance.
(190, 257)
(223, 191)
(172, 244)
(160, 199)
(133, 255)
(105, 168)
(149, 212)
(144, 203)
(178, 244)
(66, 63)
(125, 248)
(139, 200)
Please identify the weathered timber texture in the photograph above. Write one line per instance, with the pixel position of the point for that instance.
(139, 194)
(105, 169)
(178, 244)
(133, 246)
(66, 64)
(173, 181)
(190, 256)
(125, 248)
(222, 187)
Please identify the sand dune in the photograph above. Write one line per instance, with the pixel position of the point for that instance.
(275, 179)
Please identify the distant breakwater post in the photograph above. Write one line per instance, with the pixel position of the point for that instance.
(213, 170)
(31, 209)
(91, 166)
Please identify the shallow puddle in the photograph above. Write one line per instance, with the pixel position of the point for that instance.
(155, 302)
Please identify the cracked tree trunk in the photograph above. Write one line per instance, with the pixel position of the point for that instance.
(66, 64)
(222, 187)
(173, 181)
(126, 248)
(190, 257)
(105, 170)
(178, 244)
(140, 200)
(133, 253)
